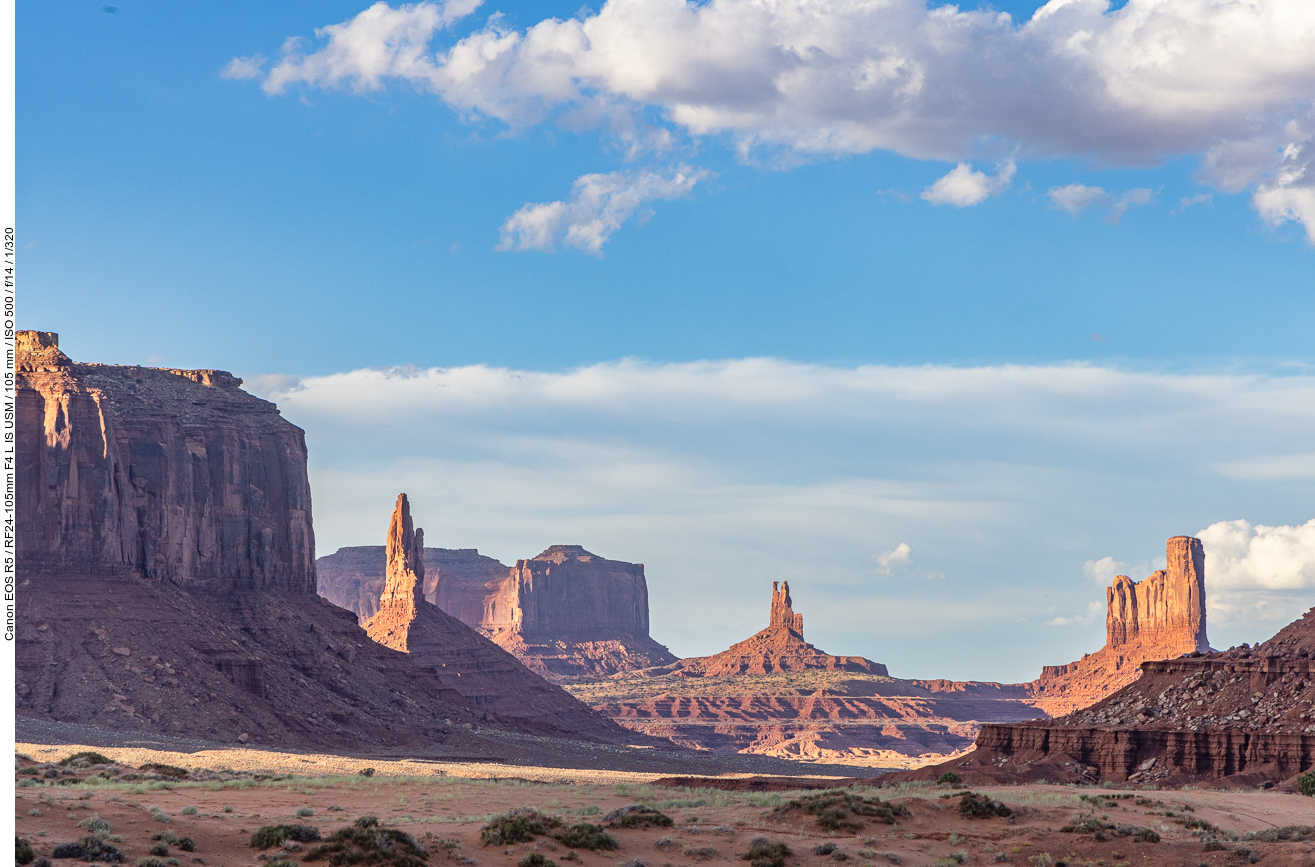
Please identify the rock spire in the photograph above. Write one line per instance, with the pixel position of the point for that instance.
(404, 576)
(782, 612)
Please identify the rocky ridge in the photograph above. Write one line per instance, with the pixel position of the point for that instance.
(1158, 618)
(485, 675)
(566, 612)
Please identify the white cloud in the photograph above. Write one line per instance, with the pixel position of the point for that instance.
(1103, 571)
(722, 476)
(1191, 201)
(1289, 192)
(598, 206)
(242, 68)
(897, 560)
(963, 187)
(1138, 197)
(1076, 198)
(1095, 610)
(1240, 555)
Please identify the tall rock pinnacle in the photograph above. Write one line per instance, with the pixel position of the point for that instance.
(782, 611)
(405, 577)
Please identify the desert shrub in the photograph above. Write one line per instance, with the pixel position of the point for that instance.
(1137, 832)
(839, 856)
(584, 835)
(1247, 855)
(166, 835)
(370, 845)
(534, 859)
(334, 808)
(949, 778)
(1306, 783)
(824, 848)
(23, 851)
(975, 806)
(89, 848)
(518, 826)
(366, 772)
(367, 822)
(764, 853)
(164, 770)
(152, 861)
(1210, 843)
(637, 816)
(843, 811)
(270, 836)
(161, 848)
(1295, 833)
(186, 844)
(89, 756)
(1194, 823)
(282, 862)
(1086, 825)
(303, 812)
(699, 853)
(664, 843)
(95, 824)
(188, 811)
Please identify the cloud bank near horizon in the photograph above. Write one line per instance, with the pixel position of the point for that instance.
(787, 81)
(1018, 488)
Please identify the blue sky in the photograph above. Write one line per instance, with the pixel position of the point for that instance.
(173, 212)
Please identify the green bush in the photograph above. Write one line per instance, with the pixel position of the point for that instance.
(584, 835)
(89, 848)
(161, 848)
(518, 826)
(151, 861)
(303, 812)
(949, 778)
(1306, 783)
(91, 758)
(367, 772)
(843, 811)
(272, 835)
(188, 811)
(369, 845)
(534, 859)
(637, 816)
(24, 853)
(763, 853)
(975, 806)
(164, 770)
(186, 844)
(166, 835)
(95, 824)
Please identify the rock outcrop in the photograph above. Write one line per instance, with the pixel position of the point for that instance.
(1158, 618)
(780, 647)
(487, 676)
(566, 612)
(1242, 717)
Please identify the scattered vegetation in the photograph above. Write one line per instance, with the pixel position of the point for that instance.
(534, 859)
(518, 826)
(165, 770)
(1306, 783)
(152, 861)
(949, 778)
(844, 811)
(166, 835)
(89, 848)
(764, 853)
(23, 851)
(89, 757)
(270, 836)
(96, 825)
(824, 848)
(1295, 833)
(365, 843)
(584, 835)
(974, 806)
(637, 816)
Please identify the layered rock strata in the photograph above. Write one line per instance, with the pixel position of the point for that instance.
(487, 676)
(1242, 717)
(566, 612)
(166, 569)
(775, 694)
(1158, 618)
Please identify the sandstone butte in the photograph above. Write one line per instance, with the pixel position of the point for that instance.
(1241, 717)
(167, 572)
(775, 694)
(1161, 617)
(487, 676)
(566, 612)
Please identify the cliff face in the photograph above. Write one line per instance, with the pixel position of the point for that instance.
(487, 676)
(177, 476)
(166, 570)
(1160, 617)
(566, 612)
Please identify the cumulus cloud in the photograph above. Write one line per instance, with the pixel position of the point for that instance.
(1103, 571)
(833, 77)
(963, 187)
(1242, 555)
(722, 476)
(1095, 610)
(598, 206)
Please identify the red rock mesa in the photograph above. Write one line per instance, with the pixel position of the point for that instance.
(1158, 618)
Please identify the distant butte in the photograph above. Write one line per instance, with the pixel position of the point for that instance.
(1158, 618)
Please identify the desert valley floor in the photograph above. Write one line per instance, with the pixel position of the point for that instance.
(207, 811)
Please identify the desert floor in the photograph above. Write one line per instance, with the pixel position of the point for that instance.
(444, 807)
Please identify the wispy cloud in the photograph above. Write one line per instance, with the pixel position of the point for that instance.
(597, 208)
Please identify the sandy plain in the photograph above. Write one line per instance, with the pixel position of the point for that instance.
(444, 806)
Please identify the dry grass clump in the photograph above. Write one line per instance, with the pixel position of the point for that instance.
(837, 810)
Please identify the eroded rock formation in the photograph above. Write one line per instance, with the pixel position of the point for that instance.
(487, 676)
(166, 569)
(1240, 717)
(1158, 618)
(566, 612)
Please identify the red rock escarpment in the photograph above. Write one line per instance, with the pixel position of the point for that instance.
(1240, 717)
(166, 569)
(566, 612)
(486, 675)
(1158, 618)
